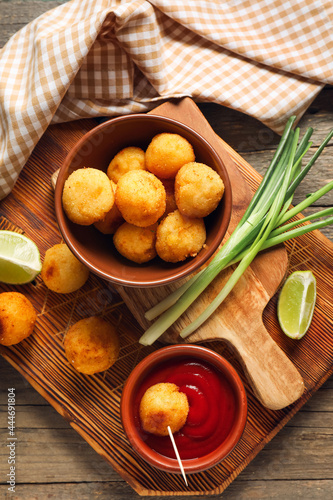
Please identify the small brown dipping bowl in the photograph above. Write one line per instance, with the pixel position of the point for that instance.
(142, 375)
(96, 250)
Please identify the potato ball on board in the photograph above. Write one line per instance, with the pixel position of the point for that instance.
(179, 237)
(163, 405)
(92, 345)
(166, 153)
(198, 189)
(17, 318)
(87, 196)
(130, 158)
(112, 220)
(62, 272)
(140, 197)
(136, 243)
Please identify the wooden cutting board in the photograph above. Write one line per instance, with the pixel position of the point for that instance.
(91, 403)
(238, 321)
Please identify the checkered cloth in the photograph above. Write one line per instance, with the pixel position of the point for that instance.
(266, 58)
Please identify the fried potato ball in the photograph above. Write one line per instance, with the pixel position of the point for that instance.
(169, 186)
(198, 189)
(179, 237)
(112, 220)
(87, 196)
(92, 345)
(62, 272)
(166, 153)
(131, 158)
(17, 318)
(136, 243)
(140, 197)
(162, 405)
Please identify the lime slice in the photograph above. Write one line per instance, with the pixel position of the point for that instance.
(19, 258)
(296, 303)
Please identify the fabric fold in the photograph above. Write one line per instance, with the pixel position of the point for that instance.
(89, 58)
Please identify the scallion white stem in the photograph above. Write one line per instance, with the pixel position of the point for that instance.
(262, 226)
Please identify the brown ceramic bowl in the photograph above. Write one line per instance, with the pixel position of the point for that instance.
(96, 149)
(129, 407)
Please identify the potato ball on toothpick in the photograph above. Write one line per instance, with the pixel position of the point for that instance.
(163, 405)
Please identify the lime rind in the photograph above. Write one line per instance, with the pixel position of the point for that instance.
(296, 303)
(20, 260)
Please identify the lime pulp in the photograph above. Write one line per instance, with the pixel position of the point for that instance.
(20, 259)
(296, 303)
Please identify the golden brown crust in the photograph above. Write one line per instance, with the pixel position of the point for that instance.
(198, 189)
(167, 153)
(112, 220)
(87, 196)
(130, 158)
(140, 198)
(179, 237)
(62, 272)
(136, 243)
(17, 318)
(92, 345)
(163, 405)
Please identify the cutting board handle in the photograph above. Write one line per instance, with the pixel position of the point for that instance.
(274, 379)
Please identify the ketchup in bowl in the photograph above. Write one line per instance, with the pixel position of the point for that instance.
(212, 407)
(217, 411)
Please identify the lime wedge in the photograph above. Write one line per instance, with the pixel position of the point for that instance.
(19, 258)
(296, 303)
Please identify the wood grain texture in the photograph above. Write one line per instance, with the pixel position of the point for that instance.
(91, 404)
(303, 473)
(308, 474)
(238, 321)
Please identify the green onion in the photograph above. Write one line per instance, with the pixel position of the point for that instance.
(265, 223)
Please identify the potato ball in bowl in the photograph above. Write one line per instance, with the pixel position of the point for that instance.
(198, 189)
(126, 160)
(95, 248)
(87, 196)
(140, 198)
(179, 237)
(167, 153)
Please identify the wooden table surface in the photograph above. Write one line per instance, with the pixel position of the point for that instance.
(53, 461)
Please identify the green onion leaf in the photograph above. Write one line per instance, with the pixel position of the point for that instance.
(265, 223)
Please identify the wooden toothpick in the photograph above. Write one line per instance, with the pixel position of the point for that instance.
(177, 454)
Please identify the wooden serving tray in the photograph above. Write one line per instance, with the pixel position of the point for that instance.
(91, 403)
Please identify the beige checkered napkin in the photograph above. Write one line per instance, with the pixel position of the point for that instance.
(266, 58)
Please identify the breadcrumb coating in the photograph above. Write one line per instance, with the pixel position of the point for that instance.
(140, 198)
(198, 190)
(17, 318)
(62, 272)
(87, 196)
(92, 345)
(130, 158)
(167, 153)
(136, 243)
(179, 237)
(163, 405)
(113, 218)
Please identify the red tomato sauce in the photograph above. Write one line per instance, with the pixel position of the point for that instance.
(212, 407)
